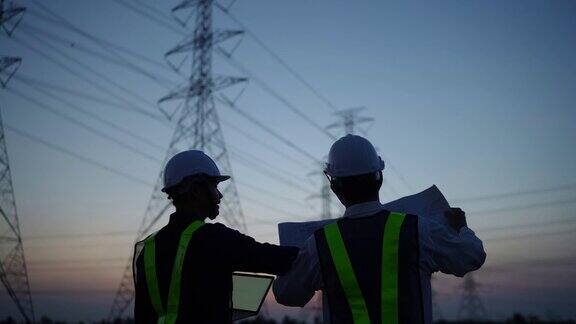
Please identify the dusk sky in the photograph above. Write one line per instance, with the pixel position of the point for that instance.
(476, 97)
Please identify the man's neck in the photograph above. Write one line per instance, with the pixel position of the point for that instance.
(361, 201)
(188, 215)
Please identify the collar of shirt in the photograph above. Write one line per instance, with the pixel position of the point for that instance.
(182, 219)
(363, 209)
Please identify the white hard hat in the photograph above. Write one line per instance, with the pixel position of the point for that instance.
(190, 163)
(352, 155)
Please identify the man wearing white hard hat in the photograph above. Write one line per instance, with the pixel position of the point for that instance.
(374, 265)
(183, 272)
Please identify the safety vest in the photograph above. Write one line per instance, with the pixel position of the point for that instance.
(169, 314)
(370, 269)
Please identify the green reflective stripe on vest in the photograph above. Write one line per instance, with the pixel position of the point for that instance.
(175, 282)
(150, 272)
(173, 302)
(390, 247)
(346, 274)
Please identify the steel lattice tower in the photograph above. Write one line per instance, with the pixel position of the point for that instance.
(350, 119)
(471, 307)
(437, 313)
(197, 127)
(13, 271)
(325, 194)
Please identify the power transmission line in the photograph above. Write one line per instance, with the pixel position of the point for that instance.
(80, 235)
(75, 45)
(87, 96)
(228, 103)
(528, 225)
(85, 126)
(111, 48)
(98, 118)
(136, 9)
(85, 67)
(264, 86)
(272, 194)
(530, 235)
(75, 261)
(275, 94)
(566, 187)
(524, 207)
(279, 59)
(274, 168)
(272, 175)
(264, 144)
(291, 216)
(77, 156)
(112, 170)
(80, 76)
(99, 133)
(104, 135)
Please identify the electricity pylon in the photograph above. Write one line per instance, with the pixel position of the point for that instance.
(197, 127)
(349, 120)
(325, 195)
(471, 307)
(10, 17)
(8, 66)
(13, 271)
(437, 313)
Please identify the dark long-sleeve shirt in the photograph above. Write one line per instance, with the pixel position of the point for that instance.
(214, 252)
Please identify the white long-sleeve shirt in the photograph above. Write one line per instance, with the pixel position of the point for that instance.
(441, 249)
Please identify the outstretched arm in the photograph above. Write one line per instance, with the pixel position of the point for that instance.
(249, 255)
(297, 287)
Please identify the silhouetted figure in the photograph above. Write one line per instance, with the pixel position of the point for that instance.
(374, 265)
(183, 272)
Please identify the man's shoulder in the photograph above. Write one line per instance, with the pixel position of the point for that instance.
(218, 227)
(219, 230)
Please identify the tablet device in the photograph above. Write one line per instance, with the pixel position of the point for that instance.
(248, 293)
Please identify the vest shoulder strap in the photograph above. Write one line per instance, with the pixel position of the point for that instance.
(169, 315)
(389, 272)
(150, 272)
(346, 273)
(389, 282)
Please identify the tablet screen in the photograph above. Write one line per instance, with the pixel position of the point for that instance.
(249, 291)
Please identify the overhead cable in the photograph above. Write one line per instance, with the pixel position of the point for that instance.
(85, 126)
(228, 103)
(278, 59)
(77, 156)
(264, 86)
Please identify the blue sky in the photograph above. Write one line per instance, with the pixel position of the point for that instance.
(476, 97)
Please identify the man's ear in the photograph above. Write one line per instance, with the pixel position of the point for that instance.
(380, 179)
(336, 186)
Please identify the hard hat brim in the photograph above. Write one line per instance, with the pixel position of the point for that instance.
(219, 179)
(222, 178)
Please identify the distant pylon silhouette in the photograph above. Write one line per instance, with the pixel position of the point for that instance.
(10, 16)
(13, 270)
(8, 67)
(325, 194)
(471, 307)
(197, 126)
(436, 310)
(349, 121)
